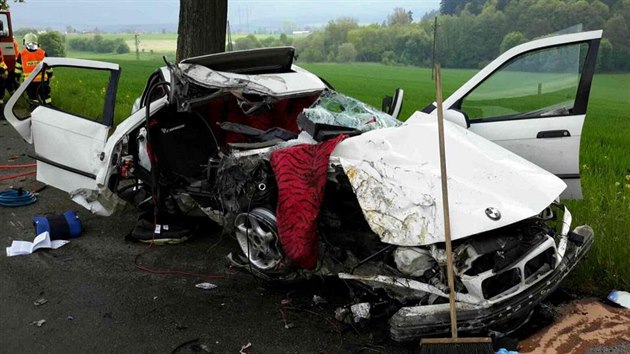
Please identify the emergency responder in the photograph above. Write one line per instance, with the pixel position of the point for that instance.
(4, 73)
(4, 79)
(27, 61)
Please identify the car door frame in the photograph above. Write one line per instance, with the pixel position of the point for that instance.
(593, 38)
(62, 175)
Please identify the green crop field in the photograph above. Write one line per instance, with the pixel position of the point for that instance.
(605, 157)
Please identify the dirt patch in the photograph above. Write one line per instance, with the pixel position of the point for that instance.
(583, 324)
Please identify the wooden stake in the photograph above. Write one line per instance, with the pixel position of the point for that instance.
(445, 207)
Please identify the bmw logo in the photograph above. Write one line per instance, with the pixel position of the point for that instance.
(493, 213)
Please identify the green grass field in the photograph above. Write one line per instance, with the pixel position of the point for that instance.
(605, 150)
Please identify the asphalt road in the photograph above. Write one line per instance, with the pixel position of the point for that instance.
(98, 301)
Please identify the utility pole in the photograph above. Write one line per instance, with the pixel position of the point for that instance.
(435, 28)
(137, 42)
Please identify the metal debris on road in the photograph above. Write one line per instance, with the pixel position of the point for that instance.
(245, 348)
(40, 302)
(361, 311)
(318, 300)
(38, 323)
(206, 286)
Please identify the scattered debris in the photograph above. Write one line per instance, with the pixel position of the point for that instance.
(38, 323)
(180, 327)
(361, 311)
(205, 286)
(245, 348)
(341, 314)
(40, 302)
(318, 300)
(621, 298)
(70, 318)
(505, 351)
(19, 248)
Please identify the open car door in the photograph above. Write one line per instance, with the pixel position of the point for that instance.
(532, 100)
(67, 119)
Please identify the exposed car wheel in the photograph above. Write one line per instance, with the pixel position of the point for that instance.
(257, 235)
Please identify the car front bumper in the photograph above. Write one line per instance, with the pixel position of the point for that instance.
(411, 323)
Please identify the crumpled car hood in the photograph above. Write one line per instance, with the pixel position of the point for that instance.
(395, 174)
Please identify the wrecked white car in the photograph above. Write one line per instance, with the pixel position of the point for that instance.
(312, 182)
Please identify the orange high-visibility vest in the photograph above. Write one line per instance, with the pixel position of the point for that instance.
(16, 48)
(30, 60)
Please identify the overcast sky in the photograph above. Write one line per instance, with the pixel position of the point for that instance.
(255, 13)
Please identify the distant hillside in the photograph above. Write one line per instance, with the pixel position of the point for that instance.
(471, 33)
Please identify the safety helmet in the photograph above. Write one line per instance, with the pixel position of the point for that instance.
(30, 41)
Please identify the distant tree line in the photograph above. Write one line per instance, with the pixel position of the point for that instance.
(470, 33)
(98, 44)
(251, 42)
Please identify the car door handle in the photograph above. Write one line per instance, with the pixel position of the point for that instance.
(553, 134)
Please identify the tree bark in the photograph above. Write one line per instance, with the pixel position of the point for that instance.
(201, 27)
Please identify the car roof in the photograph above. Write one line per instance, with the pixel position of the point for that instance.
(253, 61)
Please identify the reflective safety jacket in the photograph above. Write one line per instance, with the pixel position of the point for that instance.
(27, 61)
(16, 48)
(3, 65)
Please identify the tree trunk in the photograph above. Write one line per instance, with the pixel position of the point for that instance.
(201, 27)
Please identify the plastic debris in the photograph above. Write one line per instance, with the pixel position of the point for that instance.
(206, 286)
(342, 314)
(245, 348)
(317, 300)
(38, 323)
(505, 351)
(621, 298)
(336, 109)
(361, 311)
(40, 302)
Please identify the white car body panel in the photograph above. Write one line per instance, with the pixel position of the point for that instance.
(557, 155)
(395, 174)
(72, 142)
(23, 126)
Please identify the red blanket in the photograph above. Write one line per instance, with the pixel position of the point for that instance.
(301, 176)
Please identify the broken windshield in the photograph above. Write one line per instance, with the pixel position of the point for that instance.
(334, 108)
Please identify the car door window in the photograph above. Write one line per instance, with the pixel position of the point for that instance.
(542, 83)
(81, 92)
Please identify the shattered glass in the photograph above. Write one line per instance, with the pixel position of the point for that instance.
(334, 108)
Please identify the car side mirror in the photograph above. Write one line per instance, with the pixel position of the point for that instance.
(458, 117)
(392, 105)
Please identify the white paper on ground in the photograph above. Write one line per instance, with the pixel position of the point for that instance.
(19, 248)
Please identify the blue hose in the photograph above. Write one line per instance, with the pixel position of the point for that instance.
(16, 198)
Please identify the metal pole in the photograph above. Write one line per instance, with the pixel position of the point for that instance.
(435, 27)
